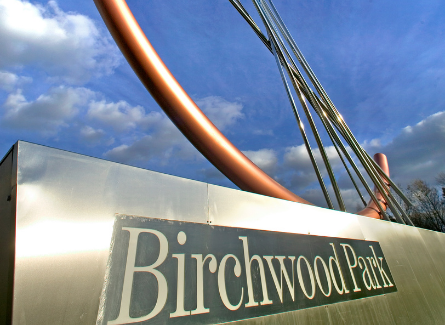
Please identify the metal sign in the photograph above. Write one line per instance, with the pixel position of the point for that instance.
(163, 271)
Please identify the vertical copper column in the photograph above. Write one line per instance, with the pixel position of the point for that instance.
(371, 210)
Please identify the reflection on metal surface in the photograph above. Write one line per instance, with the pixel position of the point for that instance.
(241, 209)
(412, 305)
(53, 237)
(65, 211)
(63, 198)
(425, 272)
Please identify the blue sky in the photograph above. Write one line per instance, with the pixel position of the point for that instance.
(64, 83)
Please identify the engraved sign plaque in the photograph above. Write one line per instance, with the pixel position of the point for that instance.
(173, 272)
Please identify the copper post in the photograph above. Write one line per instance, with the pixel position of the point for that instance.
(372, 210)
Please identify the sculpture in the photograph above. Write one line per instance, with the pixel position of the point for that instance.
(200, 131)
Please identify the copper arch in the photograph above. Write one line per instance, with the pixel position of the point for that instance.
(182, 110)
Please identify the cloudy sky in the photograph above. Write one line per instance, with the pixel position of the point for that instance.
(64, 84)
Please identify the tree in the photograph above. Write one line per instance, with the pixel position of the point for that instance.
(428, 210)
(440, 179)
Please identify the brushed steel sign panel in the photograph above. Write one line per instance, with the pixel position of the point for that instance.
(60, 222)
(7, 230)
(414, 307)
(171, 272)
(66, 205)
(226, 207)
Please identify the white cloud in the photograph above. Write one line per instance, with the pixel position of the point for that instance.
(211, 173)
(94, 136)
(66, 45)
(122, 116)
(417, 152)
(47, 113)
(160, 145)
(9, 81)
(297, 173)
(352, 201)
(221, 112)
(263, 132)
(266, 159)
(298, 158)
(163, 140)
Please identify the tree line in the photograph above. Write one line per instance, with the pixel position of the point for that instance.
(428, 209)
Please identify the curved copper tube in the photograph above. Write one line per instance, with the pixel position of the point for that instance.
(187, 116)
(371, 210)
(180, 108)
